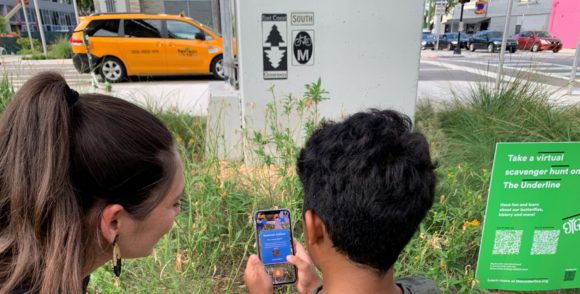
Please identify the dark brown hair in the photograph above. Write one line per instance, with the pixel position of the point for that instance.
(60, 164)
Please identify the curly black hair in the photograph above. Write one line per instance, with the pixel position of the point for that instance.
(371, 181)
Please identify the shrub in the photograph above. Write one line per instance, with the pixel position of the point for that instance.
(24, 44)
(60, 50)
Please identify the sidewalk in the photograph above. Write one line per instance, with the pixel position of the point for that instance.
(17, 59)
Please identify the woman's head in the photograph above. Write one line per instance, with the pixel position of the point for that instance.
(73, 175)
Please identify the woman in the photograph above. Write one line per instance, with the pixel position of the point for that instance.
(81, 177)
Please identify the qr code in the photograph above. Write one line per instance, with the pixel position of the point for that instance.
(569, 275)
(507, 242)
(545, 242)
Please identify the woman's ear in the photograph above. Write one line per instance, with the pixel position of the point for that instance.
(110, 221)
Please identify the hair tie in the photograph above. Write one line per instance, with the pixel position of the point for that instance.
(72, 96)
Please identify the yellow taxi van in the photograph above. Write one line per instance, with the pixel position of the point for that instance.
(122, 45)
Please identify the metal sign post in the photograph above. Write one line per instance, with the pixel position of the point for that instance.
(574, 68)
(460, 28)
(27, 24)
(76, 11)
(40, 27)
(503, 44)
(439, 12)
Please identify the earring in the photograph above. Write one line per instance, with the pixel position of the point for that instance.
(116, 257)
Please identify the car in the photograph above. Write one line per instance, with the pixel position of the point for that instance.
(430, 41)
(491, 41)
(123, 45)
(538, 41)
(451, 39)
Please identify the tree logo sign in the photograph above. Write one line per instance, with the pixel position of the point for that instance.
(274, 46)
(303, 47)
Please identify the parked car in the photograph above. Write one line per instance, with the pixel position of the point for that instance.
(491, 40)
(537, 41)
(124, 45)
(451, 39)
(430, 41)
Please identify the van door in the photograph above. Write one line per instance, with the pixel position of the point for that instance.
(187, 48)
(143, 47)
(103, 36)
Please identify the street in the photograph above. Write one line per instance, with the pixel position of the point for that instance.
(442, 76)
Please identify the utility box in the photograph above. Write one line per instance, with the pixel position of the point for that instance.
(365, 53)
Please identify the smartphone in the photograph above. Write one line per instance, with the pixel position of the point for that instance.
(274, 239)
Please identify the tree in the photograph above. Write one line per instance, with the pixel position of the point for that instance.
(86, 7)
(274, 38)
(2, 25)
(429, 14)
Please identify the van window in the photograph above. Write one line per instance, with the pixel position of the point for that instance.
(143, 28)
(103, 28)
(181, 30)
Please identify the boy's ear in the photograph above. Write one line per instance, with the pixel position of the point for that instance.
(313, 228)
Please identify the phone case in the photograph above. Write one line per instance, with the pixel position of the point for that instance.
(271, 211)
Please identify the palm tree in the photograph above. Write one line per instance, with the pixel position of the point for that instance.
(428, 16)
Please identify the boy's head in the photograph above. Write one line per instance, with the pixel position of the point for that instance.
(370, 181)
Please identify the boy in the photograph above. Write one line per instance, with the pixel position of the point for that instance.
(368, 183)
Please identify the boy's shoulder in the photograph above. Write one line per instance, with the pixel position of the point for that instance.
(418, 285)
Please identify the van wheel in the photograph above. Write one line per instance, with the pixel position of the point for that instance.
(113, 70)
(217, 67)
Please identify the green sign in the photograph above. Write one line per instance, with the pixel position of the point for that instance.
(531, 233)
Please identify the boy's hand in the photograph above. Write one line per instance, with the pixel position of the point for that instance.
(308, 279)
(256, 278)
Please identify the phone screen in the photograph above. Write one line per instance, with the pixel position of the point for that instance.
(274, 238)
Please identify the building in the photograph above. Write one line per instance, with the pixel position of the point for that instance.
(200, 10)
(526, 15)
(57, 16)
(565, 22)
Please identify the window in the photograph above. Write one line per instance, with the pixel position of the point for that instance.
(143, 28)
(182, 30)
(55, 19)
(543, 34)
(103, 28)
(110, 4)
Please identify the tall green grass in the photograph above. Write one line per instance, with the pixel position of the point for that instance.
(61, 49)
(6, 93)
(207, 249)
(520, 110)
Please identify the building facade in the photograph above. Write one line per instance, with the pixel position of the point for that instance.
(526, 15)
(199, 10)
(57, 16)
(565, 22)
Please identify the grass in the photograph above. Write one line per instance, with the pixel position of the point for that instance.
(206, 250)
(6, 93)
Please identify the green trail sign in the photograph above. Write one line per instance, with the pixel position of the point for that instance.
(531, 233)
